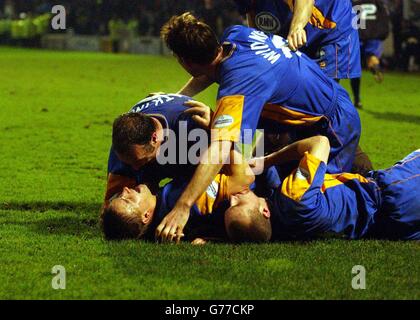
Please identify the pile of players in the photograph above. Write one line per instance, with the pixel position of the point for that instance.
(311, 179)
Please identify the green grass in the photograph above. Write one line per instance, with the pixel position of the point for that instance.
(56, 111)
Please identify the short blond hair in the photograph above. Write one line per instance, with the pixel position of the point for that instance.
(247, 225)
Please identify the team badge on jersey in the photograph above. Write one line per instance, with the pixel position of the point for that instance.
(223, 121)
(267, 22)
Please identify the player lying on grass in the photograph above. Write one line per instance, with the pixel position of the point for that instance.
(312, 203)
(136, 212)
(258, 75)
(138, 136)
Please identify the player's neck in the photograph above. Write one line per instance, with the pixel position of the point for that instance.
(212, 71)
(159, 129)
(153, 203)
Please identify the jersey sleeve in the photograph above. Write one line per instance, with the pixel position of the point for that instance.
(304, 204)
(236, 118)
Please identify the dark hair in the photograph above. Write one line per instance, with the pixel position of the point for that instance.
(190, 38)
(247, 226)
(130, 129)
(119, 226)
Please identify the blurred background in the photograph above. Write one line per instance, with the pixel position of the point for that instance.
(132, 26)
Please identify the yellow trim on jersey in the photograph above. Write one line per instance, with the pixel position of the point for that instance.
(318, 20)
(227, 120)
(214, 195)
(287, 116)
(333, 180)
(301, 179)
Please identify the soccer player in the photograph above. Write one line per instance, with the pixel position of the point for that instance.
(139, 135)
(323, 29)
(258, 75)
(136, 212)
(372, 51)
(374, 29)
(312, 203)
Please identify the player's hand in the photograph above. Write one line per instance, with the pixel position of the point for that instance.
(200, 112)
(171, 227)
(257, 165)
(199, 242)
(297, 38)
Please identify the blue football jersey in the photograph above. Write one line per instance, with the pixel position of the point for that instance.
(260, 77)
(331, 39)
(331, 20)
(385, 205)
(312, 203)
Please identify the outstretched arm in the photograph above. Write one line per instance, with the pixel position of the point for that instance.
(250, 20)
(212, 162)
(318, 146)
(196, 85)
(240, 176)
(302, 12)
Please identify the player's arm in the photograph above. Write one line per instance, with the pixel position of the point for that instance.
(196, 85)
(200, 113)
(304, 203)
(240, 176)
(212, 162)
(250, 20)
(302, 13)
(234, 114)
(317, 146)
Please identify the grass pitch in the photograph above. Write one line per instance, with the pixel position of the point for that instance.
(56, 111)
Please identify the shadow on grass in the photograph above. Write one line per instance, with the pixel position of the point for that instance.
(86, 228)
(73, 218)
(394, 116)
(42, 206)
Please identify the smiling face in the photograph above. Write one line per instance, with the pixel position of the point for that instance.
(135, 202)
(129, 213)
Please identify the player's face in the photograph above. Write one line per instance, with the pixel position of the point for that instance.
(134, 201)
(244, 200)
(191, 68)
(248, 201)
(140, 155)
